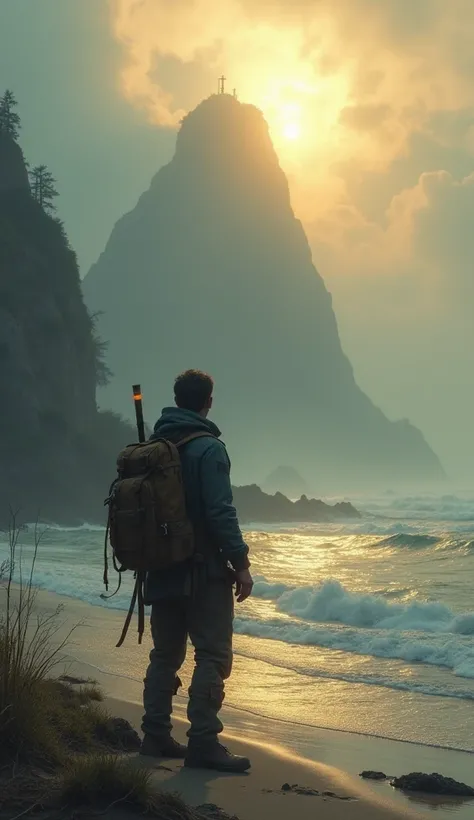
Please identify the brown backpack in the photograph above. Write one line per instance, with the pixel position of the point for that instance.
(147, 525)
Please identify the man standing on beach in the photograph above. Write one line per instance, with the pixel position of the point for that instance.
(196, 599)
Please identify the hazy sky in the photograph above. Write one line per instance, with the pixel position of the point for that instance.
(371, 107)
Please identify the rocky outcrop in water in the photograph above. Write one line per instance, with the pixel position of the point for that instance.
(253, 505)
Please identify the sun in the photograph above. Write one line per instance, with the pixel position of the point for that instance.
(292, 131)
(304, 114)
(287, 111)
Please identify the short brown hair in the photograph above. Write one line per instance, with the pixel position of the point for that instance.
(192, 390)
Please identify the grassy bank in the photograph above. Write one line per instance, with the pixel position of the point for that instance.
(61, 753)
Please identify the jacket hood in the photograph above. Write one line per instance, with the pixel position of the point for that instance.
(175, 422)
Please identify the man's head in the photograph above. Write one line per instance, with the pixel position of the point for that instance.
(193, 391)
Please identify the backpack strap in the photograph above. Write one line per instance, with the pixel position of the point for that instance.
(192, 436)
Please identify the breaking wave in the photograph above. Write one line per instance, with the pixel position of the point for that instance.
(411, 685)
(332, 602)
(84, 527)
(456, 654)
(407, 541)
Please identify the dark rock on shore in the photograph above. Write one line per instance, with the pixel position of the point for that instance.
(119, 734)
(296, 789)
(369, 775)
(432, 784)
(255, 505)
(212, 812)
(307, 791)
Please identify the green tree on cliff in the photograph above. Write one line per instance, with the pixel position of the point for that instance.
(42, 187)
(10, 122)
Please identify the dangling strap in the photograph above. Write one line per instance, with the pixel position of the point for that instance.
(129, 613)
(118, 569)
(141, 607)
(106, 556)
(119, 584)
(106, 540)
(136, 595)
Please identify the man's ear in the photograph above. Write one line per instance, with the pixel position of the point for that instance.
(210, 402)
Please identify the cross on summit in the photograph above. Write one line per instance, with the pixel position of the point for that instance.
(221, 87)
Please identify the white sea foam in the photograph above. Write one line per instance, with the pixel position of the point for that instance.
(456, 654)
(332, 602)
(404, 548)
(84, 527)
(448, 507)
(403, 685)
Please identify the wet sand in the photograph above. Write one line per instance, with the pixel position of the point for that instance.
(281, 752)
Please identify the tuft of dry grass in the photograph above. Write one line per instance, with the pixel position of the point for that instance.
(90, 692)
(30, 648)
(41, 720)
(103, 780)
(107, 781)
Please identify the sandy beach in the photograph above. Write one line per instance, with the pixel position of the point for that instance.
(281, 752)
(259, 793)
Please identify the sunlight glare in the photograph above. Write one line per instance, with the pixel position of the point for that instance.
(292, 131)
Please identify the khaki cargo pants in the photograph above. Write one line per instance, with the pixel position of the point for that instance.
(206, 618)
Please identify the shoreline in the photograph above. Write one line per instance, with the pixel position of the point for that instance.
(342, 751)
(293, 723)
(334, 703)
(251, 796)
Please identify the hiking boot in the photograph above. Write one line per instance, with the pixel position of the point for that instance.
(217, 757)
(162, 747)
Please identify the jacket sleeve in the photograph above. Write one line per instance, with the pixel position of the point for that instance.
(219, 510)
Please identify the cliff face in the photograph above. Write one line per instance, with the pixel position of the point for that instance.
(50, 443)
(13, 173)
(212, 270)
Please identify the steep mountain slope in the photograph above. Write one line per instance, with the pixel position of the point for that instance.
(212, 270)
(56, 451)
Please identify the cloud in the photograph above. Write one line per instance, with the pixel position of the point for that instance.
(441, 213)
(393, 40)
(426, 238)
(362, 75)
(382, 92)
(404, 297)
(364, 117)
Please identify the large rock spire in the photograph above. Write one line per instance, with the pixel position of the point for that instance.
(212, 270)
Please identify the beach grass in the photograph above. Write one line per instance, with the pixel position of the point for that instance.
(107, 781)
(36, 713)
(91, 692)
(58, 745)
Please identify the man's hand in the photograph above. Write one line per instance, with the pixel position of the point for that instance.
(244, 584)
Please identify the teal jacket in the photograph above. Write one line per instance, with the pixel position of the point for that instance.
(205, 469)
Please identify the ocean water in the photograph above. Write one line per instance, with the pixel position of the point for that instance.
(365, 626)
